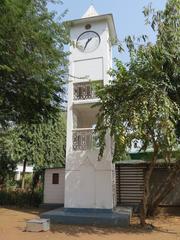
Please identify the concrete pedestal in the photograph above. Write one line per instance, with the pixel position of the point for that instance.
(38, 225)
(120, 218)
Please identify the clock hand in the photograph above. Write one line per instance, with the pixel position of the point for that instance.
(89, 39)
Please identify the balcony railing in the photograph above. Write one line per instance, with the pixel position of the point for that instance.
(83, 91)
(84, 139)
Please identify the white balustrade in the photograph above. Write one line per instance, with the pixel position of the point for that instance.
(84, 139)
(83, 91)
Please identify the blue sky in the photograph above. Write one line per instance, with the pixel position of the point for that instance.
(128, 16)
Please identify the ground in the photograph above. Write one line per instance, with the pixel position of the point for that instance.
(12, 225)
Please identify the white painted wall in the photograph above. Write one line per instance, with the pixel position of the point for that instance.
(54, 193)
(88, 182)
(94, 64)
(85, 177)
(91, 69)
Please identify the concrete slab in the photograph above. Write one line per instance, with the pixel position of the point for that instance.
(99, 218)
(121, 209)
(38, 225)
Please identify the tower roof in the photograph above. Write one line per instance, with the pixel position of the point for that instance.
(91, 12)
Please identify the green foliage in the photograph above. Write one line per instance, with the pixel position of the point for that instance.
(32, 61)
(42, 145)
(7, 164)
(134, 106)
(21, 198)
(10, 184)
(28, 181)
(142, 102)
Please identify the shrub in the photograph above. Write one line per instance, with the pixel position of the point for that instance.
(21, 198)
(10, 185)
(27, 180)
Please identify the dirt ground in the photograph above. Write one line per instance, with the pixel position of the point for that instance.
(12, 225)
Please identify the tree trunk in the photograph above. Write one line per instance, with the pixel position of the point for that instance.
(144, 209)
(148, 174)
(23, 174)
(2, 180)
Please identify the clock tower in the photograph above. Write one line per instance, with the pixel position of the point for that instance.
(88, 182)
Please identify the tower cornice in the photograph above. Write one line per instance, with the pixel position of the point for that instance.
(105, 17)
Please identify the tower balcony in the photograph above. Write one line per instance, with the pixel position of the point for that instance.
(84, 139)
(86, 90)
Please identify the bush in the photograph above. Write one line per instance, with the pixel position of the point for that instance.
(27, 181)
(10, 185)
(21, 198)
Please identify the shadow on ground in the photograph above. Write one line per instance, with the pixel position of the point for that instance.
(77, 230)
(35, 211)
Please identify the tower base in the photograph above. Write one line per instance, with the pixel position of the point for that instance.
(118, 218)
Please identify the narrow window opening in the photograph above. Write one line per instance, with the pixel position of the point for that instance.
(55, 178)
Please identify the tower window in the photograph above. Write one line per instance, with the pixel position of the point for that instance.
(55, 178)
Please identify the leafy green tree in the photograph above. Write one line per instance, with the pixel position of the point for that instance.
(142, 102)
(166, 52)
(7, 164)
(41, 145)
(32, 61)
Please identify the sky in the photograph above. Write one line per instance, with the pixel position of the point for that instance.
(128, 16)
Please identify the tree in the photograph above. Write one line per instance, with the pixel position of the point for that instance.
(41, 145)
(167, 25)
(7, 164)
(32, 61)
(142, 101)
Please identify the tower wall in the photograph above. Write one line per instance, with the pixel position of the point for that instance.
(88, 182)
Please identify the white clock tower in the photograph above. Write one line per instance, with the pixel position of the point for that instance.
(88, 182)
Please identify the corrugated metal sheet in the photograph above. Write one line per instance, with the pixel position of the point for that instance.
(129, 184)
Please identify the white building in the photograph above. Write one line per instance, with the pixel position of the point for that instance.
(54, 186)
(19, 170)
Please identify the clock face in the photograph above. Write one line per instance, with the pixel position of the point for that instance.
(88, 41)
